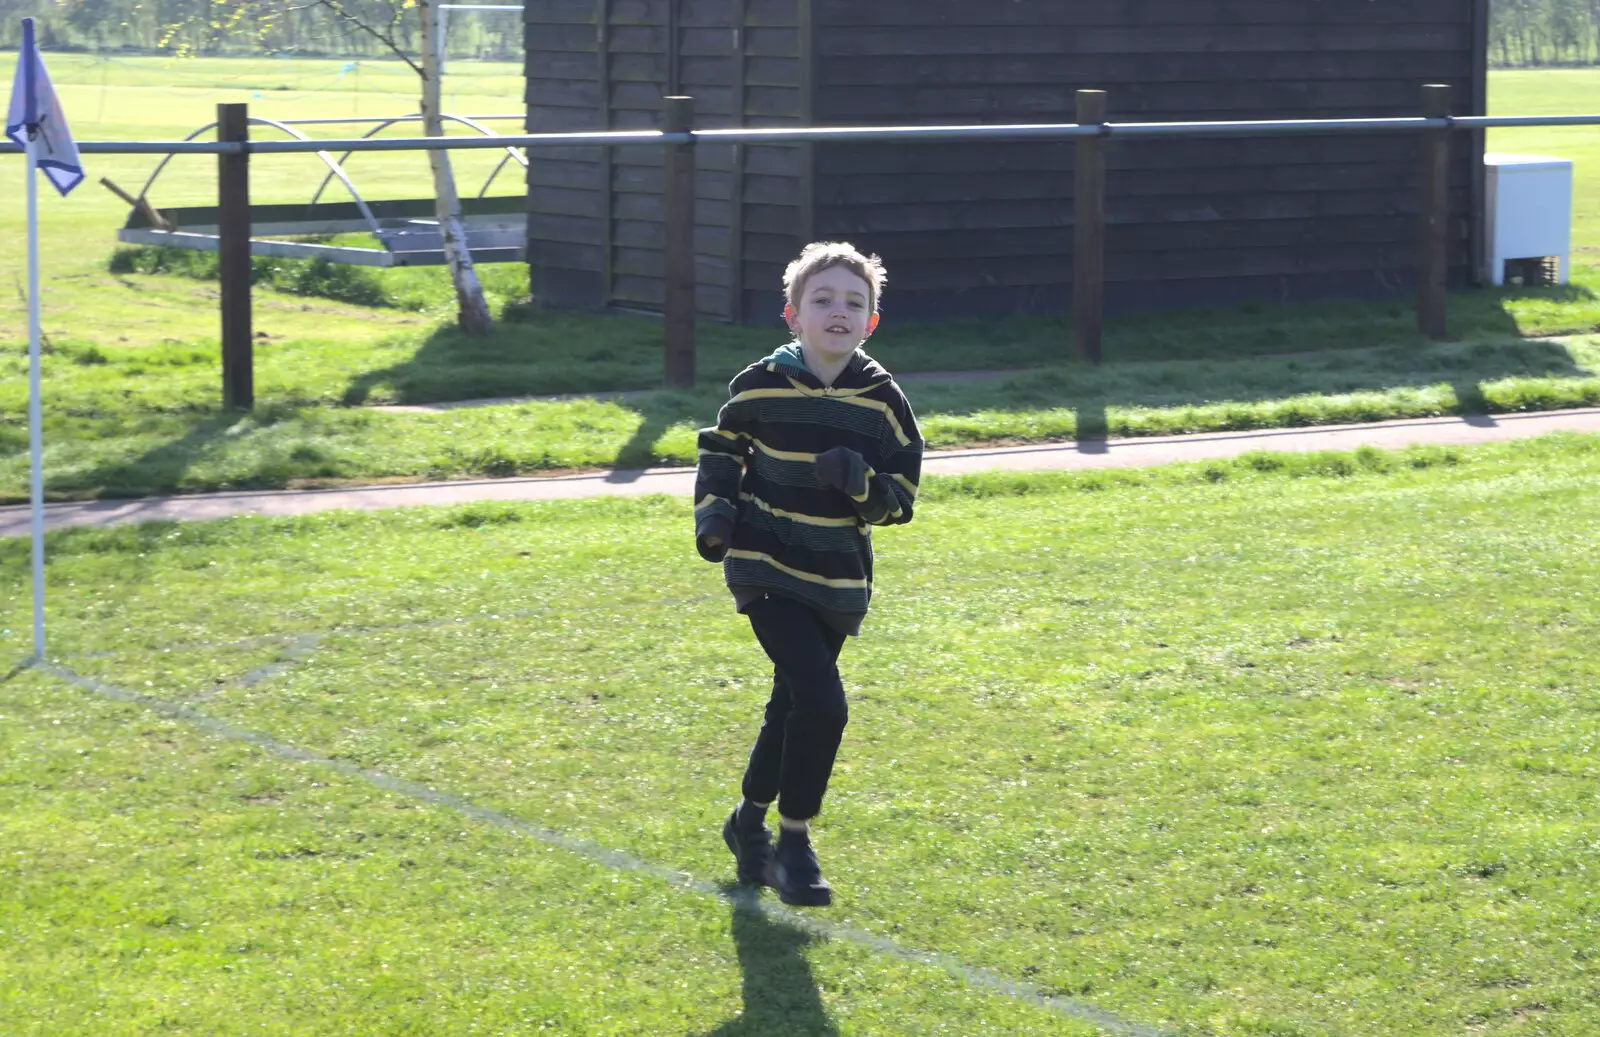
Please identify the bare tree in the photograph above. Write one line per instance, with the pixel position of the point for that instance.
(193, 26)
(472, 309)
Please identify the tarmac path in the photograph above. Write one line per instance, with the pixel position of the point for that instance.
(1115, 453)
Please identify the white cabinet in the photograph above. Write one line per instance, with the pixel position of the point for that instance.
(1529, 202)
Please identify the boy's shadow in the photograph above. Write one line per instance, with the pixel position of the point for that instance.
(780, 994)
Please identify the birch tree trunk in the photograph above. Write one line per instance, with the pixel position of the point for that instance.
(472, 310)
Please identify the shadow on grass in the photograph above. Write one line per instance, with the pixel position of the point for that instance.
(1473, 403)
(156, 471)
(1063, 402)
(540, 352)
(779, 992)
(639, 451)
(1093, 423)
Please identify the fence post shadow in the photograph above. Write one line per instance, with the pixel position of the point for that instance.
(170, 459)
(1473, 403)
(1094, 425)
(638, 453)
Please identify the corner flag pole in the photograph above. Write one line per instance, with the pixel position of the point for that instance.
(34, 120)
(35, 418)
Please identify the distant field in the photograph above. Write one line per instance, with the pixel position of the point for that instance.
(1557, 92)
(143, 98)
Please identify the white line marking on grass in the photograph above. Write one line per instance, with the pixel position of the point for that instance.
(298, 652)
(437, 623)
(744, 900)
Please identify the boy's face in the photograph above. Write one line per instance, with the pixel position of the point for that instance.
(834, 315)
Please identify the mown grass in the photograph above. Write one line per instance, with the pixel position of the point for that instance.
(102, 444)
(1283, 745)
(132, 378)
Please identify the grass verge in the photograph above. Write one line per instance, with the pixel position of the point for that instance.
(100, 447)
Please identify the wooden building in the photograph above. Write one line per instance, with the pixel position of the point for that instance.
(983, 227)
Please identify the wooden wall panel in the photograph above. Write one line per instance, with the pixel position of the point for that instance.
(595, 228)
(1337, 208)
(1189, 219)
(565, 91)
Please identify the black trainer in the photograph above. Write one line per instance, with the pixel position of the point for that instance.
(752, 849)
(796, 875)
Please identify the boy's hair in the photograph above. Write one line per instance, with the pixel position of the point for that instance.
(820, 255)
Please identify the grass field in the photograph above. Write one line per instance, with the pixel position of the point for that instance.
(131, 388)
(1278, 747)
(1271, 747)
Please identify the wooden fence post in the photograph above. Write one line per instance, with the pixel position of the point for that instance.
(233, 259)
(1433, 259)
(678, 262)
(1089, 230)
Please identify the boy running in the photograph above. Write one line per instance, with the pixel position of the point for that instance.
(815, 446)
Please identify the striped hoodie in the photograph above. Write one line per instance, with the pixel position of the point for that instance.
(795, 475)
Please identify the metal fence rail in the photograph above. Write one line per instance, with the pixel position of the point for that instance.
(1090, 134)
(821, 135)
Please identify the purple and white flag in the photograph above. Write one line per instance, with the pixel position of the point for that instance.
(36, 112)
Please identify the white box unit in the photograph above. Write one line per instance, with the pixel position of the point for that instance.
(1529, 217)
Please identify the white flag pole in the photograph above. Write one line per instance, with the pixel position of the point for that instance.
(35, 420)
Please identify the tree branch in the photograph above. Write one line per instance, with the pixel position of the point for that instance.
(386, 38)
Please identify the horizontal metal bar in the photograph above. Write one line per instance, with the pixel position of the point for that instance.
(392, 118)
(1490, 122)
(146, 147)
(344, 254)
(1273, 128)
(387, 212)
(793, 135)
(1068, 131)
(391, 228)
(566, 140)
(200, 242)
(436, 257)
(1313, 126)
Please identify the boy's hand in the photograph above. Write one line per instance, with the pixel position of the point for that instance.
(712, 538)
(844, 470)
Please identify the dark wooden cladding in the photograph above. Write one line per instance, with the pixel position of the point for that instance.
(988, 227)
(1079, 15)
(567, 89)
(1280, 218)
(596, 219)
(1142, 43)
(986, 71)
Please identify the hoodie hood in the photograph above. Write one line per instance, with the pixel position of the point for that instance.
(861, 372)
(789, 358)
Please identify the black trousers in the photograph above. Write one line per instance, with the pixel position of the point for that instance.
(806, 716)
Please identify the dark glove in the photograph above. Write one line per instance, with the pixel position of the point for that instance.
(844, 470)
